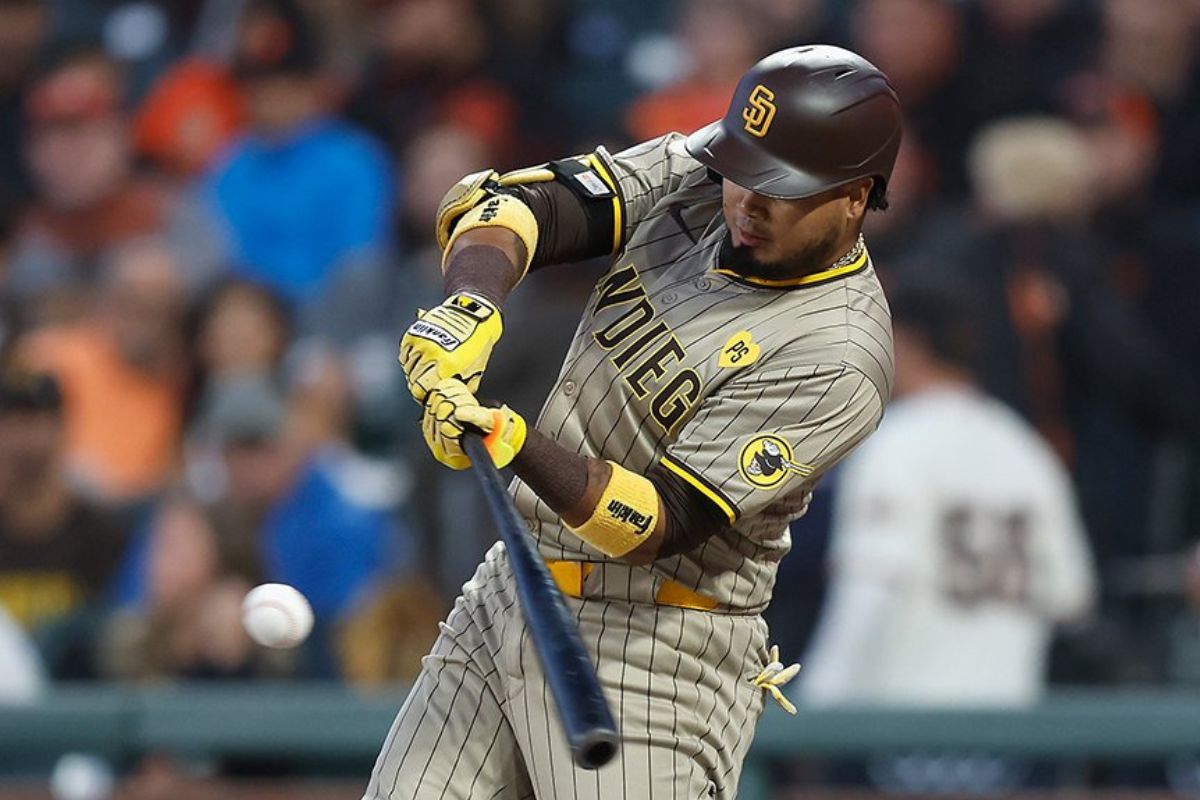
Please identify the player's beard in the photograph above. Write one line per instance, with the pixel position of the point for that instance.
(815, 257)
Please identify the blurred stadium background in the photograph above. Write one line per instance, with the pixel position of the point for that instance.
(216, 218)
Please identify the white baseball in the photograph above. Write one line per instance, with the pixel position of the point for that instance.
(276, 615)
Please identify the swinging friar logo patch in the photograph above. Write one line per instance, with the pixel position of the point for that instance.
(766, 460)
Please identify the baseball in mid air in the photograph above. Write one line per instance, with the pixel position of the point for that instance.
(276, 615)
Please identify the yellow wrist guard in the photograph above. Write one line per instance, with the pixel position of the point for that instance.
(502, 211)
(625, 516)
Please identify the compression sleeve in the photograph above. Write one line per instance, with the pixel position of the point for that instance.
(569, 227)
(690, 517)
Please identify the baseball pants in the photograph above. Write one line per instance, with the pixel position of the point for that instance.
(480, 721)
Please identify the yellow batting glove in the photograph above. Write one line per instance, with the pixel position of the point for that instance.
(775, 675)
(451, 409)
(453, 340)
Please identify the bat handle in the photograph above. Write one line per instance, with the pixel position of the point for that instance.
(586, 718)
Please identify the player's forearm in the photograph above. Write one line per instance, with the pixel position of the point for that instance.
(572, 485)
(567, 482)
(485, 261)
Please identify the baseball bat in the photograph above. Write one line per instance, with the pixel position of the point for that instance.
(586, 718)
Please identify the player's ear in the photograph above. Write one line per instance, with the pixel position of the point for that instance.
(857, 196)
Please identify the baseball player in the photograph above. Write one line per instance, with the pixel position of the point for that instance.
(738, 346)
(952, 562)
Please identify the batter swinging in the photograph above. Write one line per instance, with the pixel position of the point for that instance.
(738, 347)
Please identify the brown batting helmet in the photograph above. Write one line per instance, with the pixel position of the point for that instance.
(804, 120)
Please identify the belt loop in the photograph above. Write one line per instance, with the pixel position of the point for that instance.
(673, 593)
(569, 576)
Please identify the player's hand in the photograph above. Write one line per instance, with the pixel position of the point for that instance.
(451, 410)
(453, 340)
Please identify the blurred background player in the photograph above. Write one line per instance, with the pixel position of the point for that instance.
(957, 546)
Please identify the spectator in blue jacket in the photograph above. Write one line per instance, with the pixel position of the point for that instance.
(305, 199)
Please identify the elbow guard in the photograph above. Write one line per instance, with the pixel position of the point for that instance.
(594, 190)
(625, 516)
(461, 198)
(475, 202)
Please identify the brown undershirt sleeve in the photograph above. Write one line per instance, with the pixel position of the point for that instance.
(569, 228)
(481, 268)
(691, 518)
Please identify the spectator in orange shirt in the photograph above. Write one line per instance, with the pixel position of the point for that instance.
(123, 370)
(193, 111)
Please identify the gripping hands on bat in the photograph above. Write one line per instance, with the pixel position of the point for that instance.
(451, 410)
(453, 340)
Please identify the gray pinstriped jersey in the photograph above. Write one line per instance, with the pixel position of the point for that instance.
(748, 392)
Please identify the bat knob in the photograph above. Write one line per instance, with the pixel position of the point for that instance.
(596, 748)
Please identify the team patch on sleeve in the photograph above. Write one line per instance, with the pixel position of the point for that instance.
(766, 461)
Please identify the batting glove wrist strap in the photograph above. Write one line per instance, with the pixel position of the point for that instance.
(506, 433)
(625, 516)
(454, 340)
(502, 211)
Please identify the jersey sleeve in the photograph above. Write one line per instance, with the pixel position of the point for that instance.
(763, 440)
(646, 173)
(1064, 584)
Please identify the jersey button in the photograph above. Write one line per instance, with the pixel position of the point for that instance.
(703, 284)
(670, 297)
(569, 388)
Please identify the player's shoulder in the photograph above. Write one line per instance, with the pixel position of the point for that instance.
(668, 147)
(950, 417)
(1025, 446)
(663, 160)
(845, 322)
(672, 201)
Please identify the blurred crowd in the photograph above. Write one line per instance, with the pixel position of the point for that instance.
(216, 217)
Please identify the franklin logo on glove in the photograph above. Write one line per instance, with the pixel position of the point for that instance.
(433, 333)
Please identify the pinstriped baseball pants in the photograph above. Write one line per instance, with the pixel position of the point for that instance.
(480, 721)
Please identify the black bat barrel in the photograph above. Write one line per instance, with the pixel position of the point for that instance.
(586, 718)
